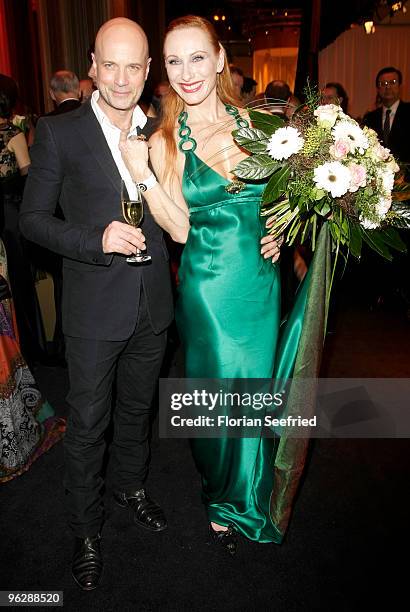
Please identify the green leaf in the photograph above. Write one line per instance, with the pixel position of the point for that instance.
(401, 217)
(334, 231)
(374, 242)
(319, 194)
(266, 122)
(323, 208)
(250, 139)
(256, 167)
(355, 239)
(345, 226)
(391, 237)
(277, 185)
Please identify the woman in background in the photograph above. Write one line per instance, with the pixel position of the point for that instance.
(14, 164)
(28, 426)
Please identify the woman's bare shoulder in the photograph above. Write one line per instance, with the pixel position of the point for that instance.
(157, 139)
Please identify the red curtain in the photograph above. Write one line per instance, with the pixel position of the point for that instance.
(5, 67)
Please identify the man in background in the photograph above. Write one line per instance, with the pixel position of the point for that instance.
(280, 99)
(248, 90)
(64, 91)
(391, 120)
(237, 79)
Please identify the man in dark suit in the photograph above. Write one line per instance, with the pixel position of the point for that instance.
(64, 91)
(391, 120)
(115, 314)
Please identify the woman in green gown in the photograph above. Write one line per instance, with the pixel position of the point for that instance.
(228, 310)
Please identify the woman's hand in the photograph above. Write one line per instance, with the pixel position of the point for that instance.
(134, 151)
(270, 245)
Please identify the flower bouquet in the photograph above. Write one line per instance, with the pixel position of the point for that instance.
(322, 167)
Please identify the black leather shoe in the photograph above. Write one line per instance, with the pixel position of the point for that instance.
(87, 562)
(227, 538)
(147, 513)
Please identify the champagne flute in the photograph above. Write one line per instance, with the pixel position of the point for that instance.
(133, 212)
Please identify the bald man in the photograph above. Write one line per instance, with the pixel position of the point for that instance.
(115, 314)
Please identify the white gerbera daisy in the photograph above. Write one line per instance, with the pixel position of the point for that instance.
(351, 132)
(285, 142)
(333, 177)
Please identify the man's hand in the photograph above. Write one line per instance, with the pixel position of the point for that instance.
(134, 151)
(122, 238)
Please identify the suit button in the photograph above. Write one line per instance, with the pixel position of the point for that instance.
(95, 260)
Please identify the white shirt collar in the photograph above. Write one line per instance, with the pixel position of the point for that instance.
(67, 99)
(393, 108)
(139, 118)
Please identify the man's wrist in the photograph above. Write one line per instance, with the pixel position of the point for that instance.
(147, 183)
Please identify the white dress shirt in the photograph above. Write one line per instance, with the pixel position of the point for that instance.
(112, 136)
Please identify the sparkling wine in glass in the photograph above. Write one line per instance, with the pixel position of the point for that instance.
(133, 212)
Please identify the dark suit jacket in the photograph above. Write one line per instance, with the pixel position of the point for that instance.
(65, 107)
(399, 137)
(72, 164)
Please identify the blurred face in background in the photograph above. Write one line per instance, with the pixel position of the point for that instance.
(330, 96)
(237, 80)
(388, 88)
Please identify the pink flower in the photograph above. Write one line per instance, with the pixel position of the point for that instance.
(380, 153)
(358, 177)
(340, 149)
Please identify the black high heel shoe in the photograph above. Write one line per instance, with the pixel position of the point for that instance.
(227, 538)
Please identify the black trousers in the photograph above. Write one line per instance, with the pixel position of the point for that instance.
(95, 368)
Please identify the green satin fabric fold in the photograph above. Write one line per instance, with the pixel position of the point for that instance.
(228, 316)
(291, 452)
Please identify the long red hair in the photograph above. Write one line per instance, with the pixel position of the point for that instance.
(173, 105)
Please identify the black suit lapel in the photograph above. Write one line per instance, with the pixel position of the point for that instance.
(149, 128)
(379, 122)
(91, 133)
(395, 128)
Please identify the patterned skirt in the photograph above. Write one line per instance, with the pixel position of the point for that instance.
(28, 426)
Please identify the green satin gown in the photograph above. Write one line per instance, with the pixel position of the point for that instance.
(228, 317)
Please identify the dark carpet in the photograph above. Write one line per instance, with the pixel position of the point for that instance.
(340, 553)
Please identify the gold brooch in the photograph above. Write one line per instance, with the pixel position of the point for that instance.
(235, 186)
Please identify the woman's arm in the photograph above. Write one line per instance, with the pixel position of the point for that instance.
(165, 200)
(18, 146)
